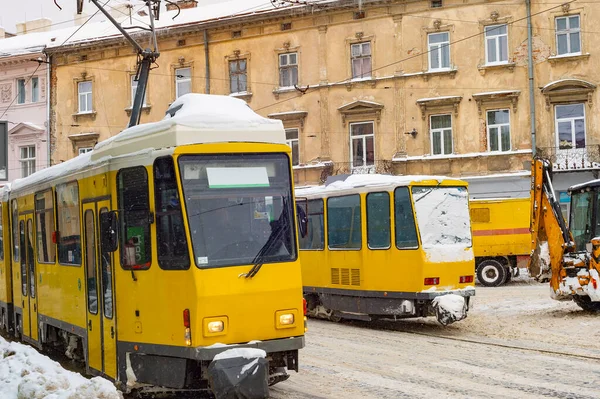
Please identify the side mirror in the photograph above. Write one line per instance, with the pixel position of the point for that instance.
(109, 231)
(302, 211)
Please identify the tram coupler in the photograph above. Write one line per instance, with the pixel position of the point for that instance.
(239, 378)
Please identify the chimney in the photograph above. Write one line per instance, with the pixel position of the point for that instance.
(36, 25)
(182, 4)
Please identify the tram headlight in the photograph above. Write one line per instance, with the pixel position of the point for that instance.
(286, 319)
(215, 326)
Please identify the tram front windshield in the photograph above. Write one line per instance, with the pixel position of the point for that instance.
(239, 208)
(443, 216)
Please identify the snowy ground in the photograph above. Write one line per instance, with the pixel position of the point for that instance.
(515, 343)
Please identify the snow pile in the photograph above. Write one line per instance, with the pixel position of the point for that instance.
(449, 308)
(26, 374)
(246, 353)
(593, 290)
(444, 223)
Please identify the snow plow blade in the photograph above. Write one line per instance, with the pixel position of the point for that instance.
(449, 308)
(239, 378)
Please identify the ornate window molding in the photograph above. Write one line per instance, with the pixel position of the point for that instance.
(568, 90)
(83, 140)
(291, 117)
(361, 109)
(427, 104)
(506, 96)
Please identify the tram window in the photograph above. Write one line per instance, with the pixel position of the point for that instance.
(106, 278)
(90, 262)
(170, 231)
(135, 218)
(15, 231)
(69, 226)
(406, 233)
(44, 209)
(378, 220)
(23, 264)
(314, 238)
(30, 261)
(343, 222)
(1, 236)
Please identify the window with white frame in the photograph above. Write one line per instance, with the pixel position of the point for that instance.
(439, 50)
(83, 150)
(27, 160)
(361, 60)
(498, 129)
(238, 77)
(362, 144)
(441, 134)
(570, 125)
(496, 44)
(568, 35)
(134, 86)
(35, 90)
(20, 91)
(288, 69)
(84, 90)
(183, 81)
(291, 138)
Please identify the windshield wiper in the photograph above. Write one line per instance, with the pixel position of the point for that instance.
(274, 238)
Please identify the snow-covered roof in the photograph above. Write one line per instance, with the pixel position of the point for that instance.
(197, 119)
(4, 191)
(359, 181)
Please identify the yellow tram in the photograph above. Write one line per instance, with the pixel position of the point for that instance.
(386, 246)
(163, 247)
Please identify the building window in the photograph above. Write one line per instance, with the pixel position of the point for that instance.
(570, 126)
(362, 144)
(498, 128)
(237, 76)
(441, 134)
(361, 60)
(183, 81)
(291, 138)
(288, 69)
(27, 160)
(35, 90)
(85, 96)
(134, 86)
(439, 51)
(436, 3)
(496, 44)
(83, 150)
(20, 91)
(568, 35)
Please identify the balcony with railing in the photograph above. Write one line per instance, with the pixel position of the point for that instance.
(572, 159)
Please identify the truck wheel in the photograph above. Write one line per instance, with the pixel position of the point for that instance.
(491, 273)
(585, 303)
(509, 274)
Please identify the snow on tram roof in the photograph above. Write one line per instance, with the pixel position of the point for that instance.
(196, 119)
(191, 119)
(371, 180)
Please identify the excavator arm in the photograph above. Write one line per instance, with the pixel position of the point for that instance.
(550, 237)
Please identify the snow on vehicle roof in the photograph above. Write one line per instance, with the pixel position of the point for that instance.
(371, 180)
(199, 118)
(4, 191)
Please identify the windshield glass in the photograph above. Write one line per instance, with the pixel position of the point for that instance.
(581, 219)
(239, 206)
(443, 216)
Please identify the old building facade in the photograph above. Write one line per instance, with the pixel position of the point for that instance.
(403, 87)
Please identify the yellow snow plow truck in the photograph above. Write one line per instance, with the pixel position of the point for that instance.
(569, 257)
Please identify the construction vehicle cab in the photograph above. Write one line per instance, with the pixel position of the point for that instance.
(568, 256)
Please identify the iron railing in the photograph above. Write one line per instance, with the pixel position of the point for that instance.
(570, 159)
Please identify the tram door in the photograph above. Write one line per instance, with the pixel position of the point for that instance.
(28, 277)
(100, 298)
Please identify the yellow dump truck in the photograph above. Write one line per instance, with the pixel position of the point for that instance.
(501, 238)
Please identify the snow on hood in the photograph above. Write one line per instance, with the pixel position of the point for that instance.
(25, 373)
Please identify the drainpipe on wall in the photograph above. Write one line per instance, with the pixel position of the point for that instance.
(48, 75)
(207, 90)
(530, 72)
